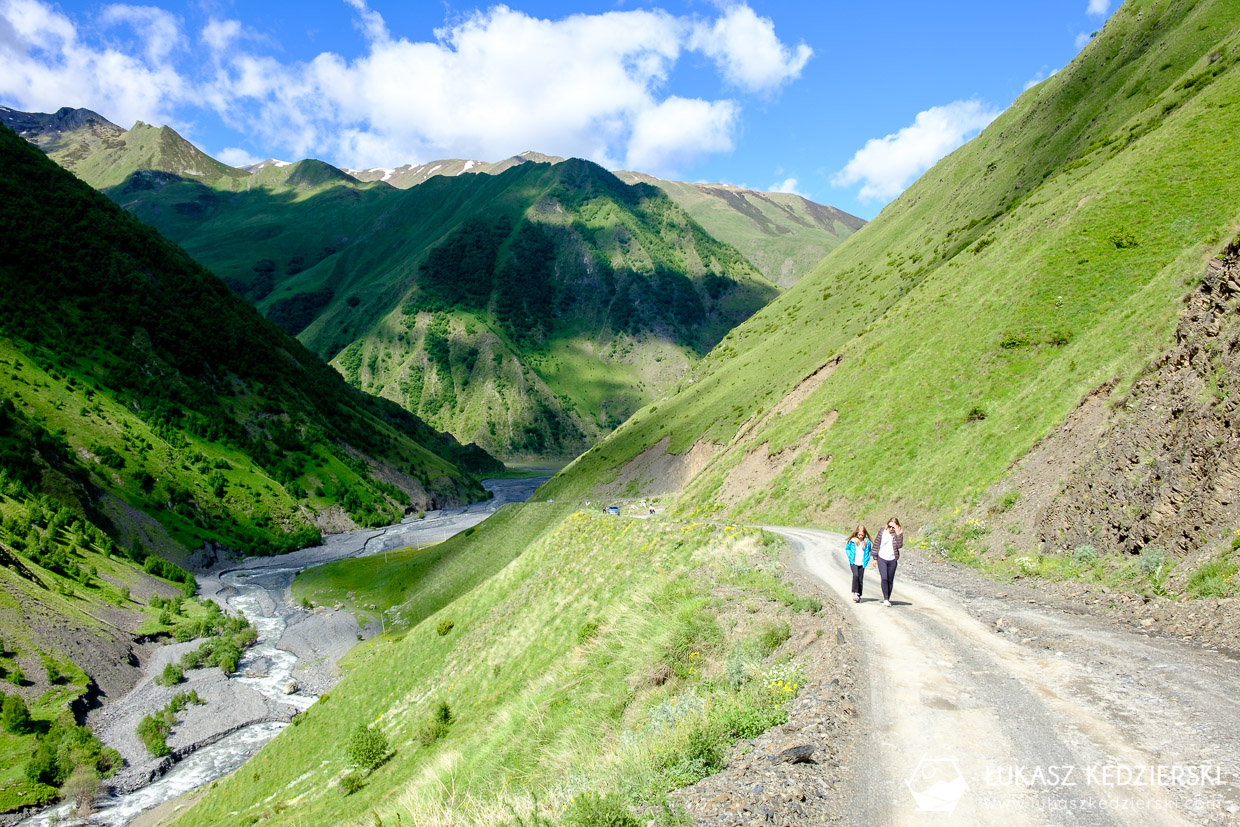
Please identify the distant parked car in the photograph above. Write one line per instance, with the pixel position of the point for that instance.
(613, 509)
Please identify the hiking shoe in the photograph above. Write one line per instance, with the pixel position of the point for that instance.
(886, 602)
(856, 597)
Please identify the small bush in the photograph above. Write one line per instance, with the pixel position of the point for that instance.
(446, 625)
(1013, 340)
(437, 725)
(1059, 338)
(808, 604)
(772, 635)
(587, 631)
(1009, 500)
(1124, 240)
(1027, 565)
(171, 676)
(1152, 560)
(1214, 579)
(367, 747)
(15, 715)
(351, 783)
(748, 716)
(975, 414)
(1084, 555)
(598, 810)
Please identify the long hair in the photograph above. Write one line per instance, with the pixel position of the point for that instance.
(860, 534)
(896, 520)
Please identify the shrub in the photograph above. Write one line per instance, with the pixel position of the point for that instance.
(598, 810)
(1009, 500)
(367, 747)
(445, 626)
(772, 635)
(587, 631)
(748, 716)
(81, 788)
(14, 714)
(437, 725)
(808, 604)
(52, 668)
(1013, 340)
(171, 676)
(351, 783)
(1152, 560)
(1027, 565)
(975, 414)
(1084, 555)
(153, 730)
(1214, 579)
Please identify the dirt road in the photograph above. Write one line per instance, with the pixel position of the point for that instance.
(985, 709)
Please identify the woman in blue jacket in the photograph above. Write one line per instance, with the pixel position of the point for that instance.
(858, 550)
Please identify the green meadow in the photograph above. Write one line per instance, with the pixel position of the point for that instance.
(613, 655)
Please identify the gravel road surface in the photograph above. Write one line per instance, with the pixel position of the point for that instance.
(985, 709)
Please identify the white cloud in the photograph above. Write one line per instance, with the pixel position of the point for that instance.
(788, 185)
(47, 65)
(220, 35)
(679, 130)
(489, 85)
(747, 52)
(235, 156)
(1098, 8)
(1082, 40)
(161, 29)
(369, 22)
(885, 166)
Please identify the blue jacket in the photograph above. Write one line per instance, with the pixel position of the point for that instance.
(851, 548)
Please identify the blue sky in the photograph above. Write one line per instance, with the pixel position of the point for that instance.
(843, 102)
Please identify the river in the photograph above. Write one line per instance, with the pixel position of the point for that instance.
(246, 710)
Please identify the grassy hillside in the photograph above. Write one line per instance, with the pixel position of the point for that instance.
(529, 311)
(614, 655)
(938, 344)
(176, 396)
(783, 235)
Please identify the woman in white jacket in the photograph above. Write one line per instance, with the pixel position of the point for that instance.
(889, 544)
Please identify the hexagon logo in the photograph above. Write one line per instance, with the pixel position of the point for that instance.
(936, 784)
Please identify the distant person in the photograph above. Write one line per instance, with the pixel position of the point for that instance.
(858, 549)
(889, 544)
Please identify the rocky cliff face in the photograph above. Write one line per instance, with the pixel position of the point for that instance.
(1166, 470)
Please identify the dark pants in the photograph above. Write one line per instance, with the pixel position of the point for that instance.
(858, 577)
(886, 575)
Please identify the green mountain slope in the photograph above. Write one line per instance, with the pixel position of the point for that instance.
(177, 397)
(782, 234)
(937, 345)
(530, 311)
(613, 654)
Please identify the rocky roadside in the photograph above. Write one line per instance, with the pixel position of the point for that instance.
(1210, 623)
(798, 774)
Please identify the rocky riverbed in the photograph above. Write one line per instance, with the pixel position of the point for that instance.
(294, 661)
